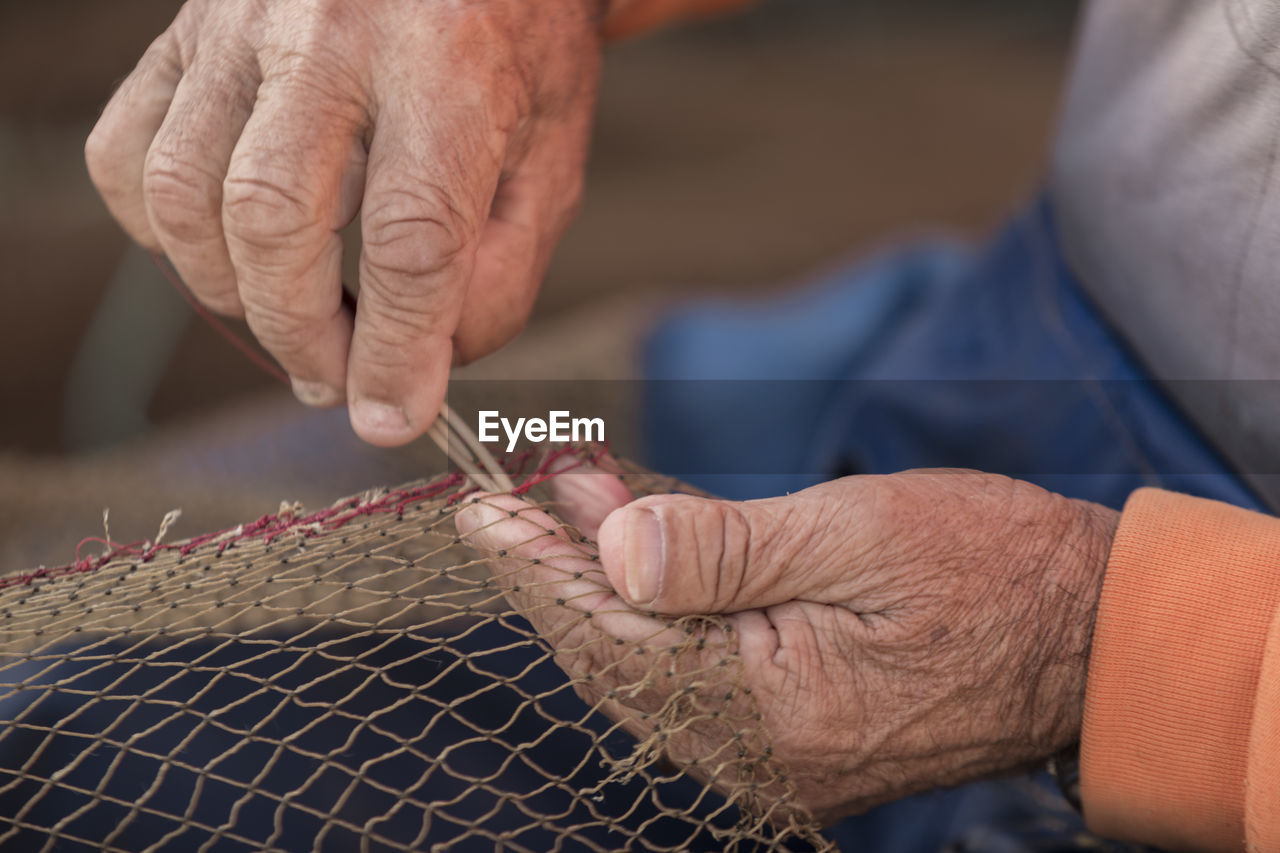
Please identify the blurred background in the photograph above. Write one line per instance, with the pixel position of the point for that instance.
(736, 155)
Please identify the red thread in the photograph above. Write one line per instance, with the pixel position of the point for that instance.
(268, 366)
(543, 472)
(270, 528)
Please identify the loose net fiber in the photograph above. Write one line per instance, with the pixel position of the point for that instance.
(358, 678)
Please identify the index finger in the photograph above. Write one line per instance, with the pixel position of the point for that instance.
(432, 174)
(283, 209)
(556, 583)
(677, 681)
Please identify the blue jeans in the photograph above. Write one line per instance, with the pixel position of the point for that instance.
(932, 355)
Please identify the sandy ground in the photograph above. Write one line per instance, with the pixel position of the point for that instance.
(737, 156)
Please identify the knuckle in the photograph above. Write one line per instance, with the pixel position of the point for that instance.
(731, 553)
(412, 235)
(267, 213)
(718, 541)
(283, 330)
(181, 196)
(109, 170)
(382, 357)
(388, 341)
(320, 74)
(120, 188)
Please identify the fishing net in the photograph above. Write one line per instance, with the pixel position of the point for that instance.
(359, 678)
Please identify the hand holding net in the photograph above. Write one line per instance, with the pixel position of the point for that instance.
(362, 678)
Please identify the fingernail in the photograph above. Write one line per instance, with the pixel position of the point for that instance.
(375, 420)
(645, 551)
(317, 393)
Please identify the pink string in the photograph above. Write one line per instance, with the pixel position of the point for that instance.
(272, 527)
(268, 366)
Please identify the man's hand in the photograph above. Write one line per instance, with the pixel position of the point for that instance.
(898, 633)
(252, 131)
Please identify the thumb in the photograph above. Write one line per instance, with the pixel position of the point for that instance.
(678, 554)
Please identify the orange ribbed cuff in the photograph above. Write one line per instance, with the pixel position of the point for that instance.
(628, 17)
(1189, 598)
(1262, 781)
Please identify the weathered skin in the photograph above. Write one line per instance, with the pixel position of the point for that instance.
(898, 632)
(252, 131)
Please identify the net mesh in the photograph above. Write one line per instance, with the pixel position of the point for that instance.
(359, 678)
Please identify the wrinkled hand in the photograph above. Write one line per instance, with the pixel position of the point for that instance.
(252, 131)
(898, 633)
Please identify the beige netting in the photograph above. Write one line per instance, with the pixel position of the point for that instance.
(358, 678)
